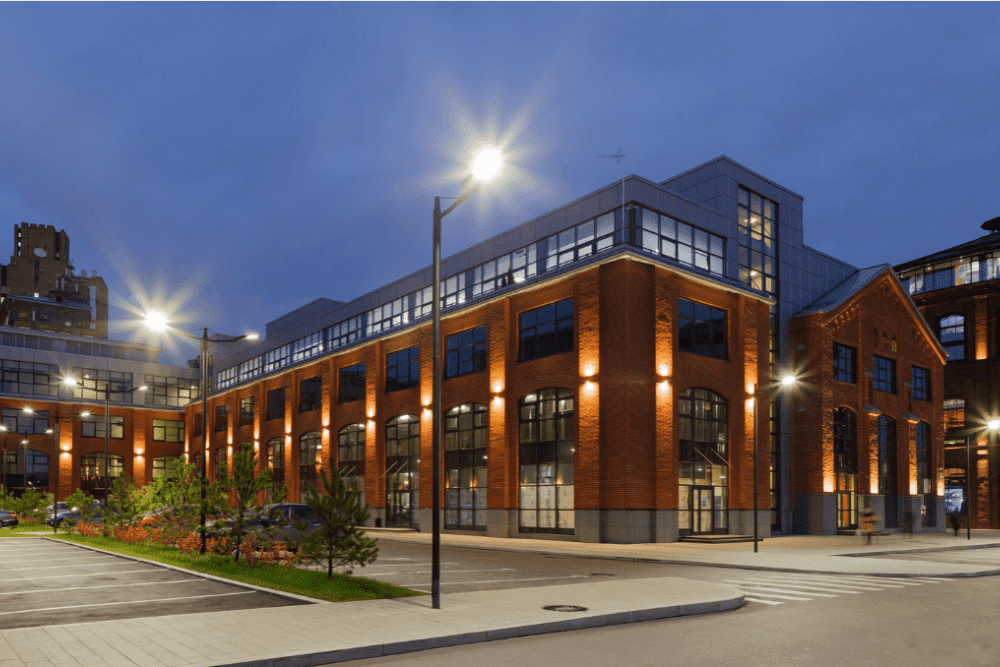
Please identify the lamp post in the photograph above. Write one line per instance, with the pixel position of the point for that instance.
(3, 461)
(158, 323)
(484, 167)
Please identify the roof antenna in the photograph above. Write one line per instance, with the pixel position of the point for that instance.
(618, 156)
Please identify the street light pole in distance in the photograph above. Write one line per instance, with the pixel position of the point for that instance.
(485, 167)
(158, 323)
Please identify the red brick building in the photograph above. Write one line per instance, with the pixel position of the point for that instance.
(867, 428)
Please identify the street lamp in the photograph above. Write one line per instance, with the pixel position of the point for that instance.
(158, 322)
(787, 382)
(3, 461)
(107, 427)
(485, 166)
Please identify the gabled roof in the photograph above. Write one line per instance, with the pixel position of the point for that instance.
(844, 291)
(983, 244)
(840, 295)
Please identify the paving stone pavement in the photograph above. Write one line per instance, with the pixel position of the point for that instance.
(331, 632)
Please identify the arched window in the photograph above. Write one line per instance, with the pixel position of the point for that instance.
(703, 426)
(845, 467)
(887, 467)
(466, 430)
(310, 446)
(402, 471)
(925, 483)
(951, 332)
(276, 462)
(351, 457)
(92, 479)
(546, 457)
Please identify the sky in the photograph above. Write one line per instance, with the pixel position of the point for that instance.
(230, 162)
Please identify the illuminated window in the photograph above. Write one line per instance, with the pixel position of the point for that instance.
(689, 245)
(546, 458)
(310, 445)
(756, 223)
(246, 411)
(276, 463)
(93, 427)
(351, 457)
(168, 430)
(954, 413)
(466, 429)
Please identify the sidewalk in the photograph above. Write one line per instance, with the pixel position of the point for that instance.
(327, 632)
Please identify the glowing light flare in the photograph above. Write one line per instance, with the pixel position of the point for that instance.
(993, 425)
(487, 163)
(788, 380)
(156, 321)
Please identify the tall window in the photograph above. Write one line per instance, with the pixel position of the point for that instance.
(168, 430)
(466, 428)
(703, 427)
(845, 467)
(921, 383)
(246, 411)
(310, 446)
(352, 383)
(309, 393)
(93, 427)
(351, 457)
(402, 369)
(702, 329)
(885, 374)
(276, 403)
(951, 331)
(276, 462)
(221, 417)
(402, 471)
(925, 482)
(220, 461)
(546, 330)
(465, 352)
(845, 363)
(887, 466)
(757, 224)
(546, 458)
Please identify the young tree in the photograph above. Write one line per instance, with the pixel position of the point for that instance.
(125, 506)
(30, 506)
(339, 541)
(244, 484)
(78, 501)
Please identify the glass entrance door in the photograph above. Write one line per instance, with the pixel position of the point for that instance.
(701, 510)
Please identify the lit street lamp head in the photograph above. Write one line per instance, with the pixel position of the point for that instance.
(993, 425)
(486, 164)
(156, 321)
(788, 380)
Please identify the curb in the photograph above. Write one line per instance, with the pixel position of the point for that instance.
(413, 645)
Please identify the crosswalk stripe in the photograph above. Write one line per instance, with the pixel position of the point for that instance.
(868, 584)
(780, 597)
(808, 586)
(757, 588)
(762, 601)
(863, 586)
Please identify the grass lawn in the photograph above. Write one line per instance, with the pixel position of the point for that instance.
(309, 583)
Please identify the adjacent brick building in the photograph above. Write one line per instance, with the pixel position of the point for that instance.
(958, 292)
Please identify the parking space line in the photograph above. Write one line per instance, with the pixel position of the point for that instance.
(52, 567)
(108, 604)
(87, 588)
(49, 560)
(77, 575)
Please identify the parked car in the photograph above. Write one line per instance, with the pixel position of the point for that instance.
(8, 519)
(277, 522)
(73, 515)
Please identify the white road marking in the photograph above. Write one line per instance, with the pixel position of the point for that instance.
(807, 586)
(49, 560)
(390, 574)
(77, 575)
(53, 567)
(762, 601)
(87, 588)
(500, 581)
(758, 588)
(780, 597)
(108, 604)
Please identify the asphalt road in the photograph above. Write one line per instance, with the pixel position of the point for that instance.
(51, 583)
(789, 620)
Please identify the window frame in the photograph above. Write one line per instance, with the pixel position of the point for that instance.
(272, 402)
(845, 367)
(351, 383)
(311, 388)
(920, 387)
(466, 352)
(884, 376)
(402, 369)
(693, 341)
(537, 339)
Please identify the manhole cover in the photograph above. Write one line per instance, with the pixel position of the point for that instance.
(564, 607)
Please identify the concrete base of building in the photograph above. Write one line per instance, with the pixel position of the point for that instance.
(741, 523)
(626, 526)
(816, 514)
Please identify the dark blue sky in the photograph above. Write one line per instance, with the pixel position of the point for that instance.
(241, 160)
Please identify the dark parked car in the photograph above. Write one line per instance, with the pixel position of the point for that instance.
(282, 518)
(73, 515)
(7, 519)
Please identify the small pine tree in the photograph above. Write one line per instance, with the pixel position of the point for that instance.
(245, 484)
(339, 541)
(78, 501)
